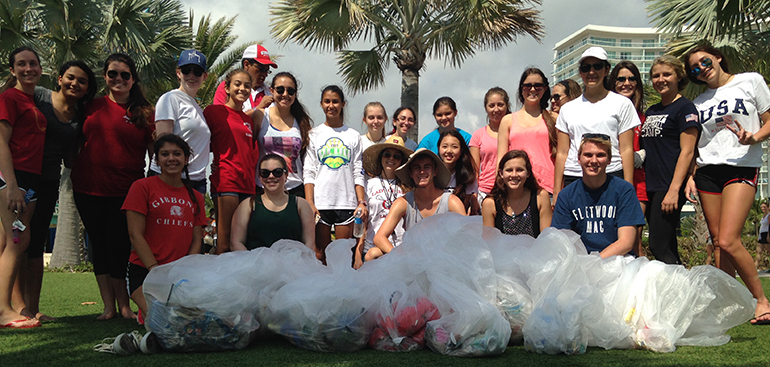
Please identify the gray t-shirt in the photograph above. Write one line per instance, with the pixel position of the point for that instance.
(60, 137)
(413, 212)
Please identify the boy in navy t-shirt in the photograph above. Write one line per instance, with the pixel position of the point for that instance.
(602, 208)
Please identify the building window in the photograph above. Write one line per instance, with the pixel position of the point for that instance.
(648, 43)
(603, 41)
(612, 54)
(625, 43)
(625, 56)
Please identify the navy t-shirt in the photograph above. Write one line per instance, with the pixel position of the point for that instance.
(660, 138)
(597, 214)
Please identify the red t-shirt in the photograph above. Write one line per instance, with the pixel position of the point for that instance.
(113, 155)
(170, 218)
(235, 154)
(28, 135)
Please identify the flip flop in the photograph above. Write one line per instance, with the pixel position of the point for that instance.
(761, 322)
(13, 325)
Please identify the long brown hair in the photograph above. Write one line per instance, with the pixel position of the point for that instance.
(550, 122)
(11, 81)
(139, 108)
(638, 98)
(298, 111)
(499, 192)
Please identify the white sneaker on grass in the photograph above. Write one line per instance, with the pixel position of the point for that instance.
(150, 344)
(124, 344)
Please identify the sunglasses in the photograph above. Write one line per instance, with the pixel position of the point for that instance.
(704, 63)
(584, 68)
(556, 96)
(277, 173)
(396, 156)
(280, 90)
(187, 69)
(112, 74)
(604, 137)
(265, 69)
(622, 79)
(538, 86)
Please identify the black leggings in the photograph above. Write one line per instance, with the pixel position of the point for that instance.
(108, 231)
(47, 195)
(663, 227)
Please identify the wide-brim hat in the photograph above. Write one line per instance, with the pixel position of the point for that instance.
(372, 163)
(442, 177)
(595, 51)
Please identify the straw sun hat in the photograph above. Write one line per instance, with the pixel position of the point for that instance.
(441, 180)
(372, 163)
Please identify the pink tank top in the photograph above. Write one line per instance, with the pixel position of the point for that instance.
(534, 141)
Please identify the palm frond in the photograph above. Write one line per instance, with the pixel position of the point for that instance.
(362, 70)
(323, 25)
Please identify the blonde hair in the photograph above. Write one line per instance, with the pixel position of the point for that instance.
(675, 64)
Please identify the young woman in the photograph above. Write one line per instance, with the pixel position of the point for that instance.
(334, 179)
(483, 145)
(457, 158)
(118, 133)
(403, 120)
(563, 92)
(63, 110)
(532, 127)
(285, 128)
(177, 112)
(22, 128)
(275, 214)
(517, 205)
(764, 226)
(375, 118)
(669, 135)
(233, 173)
(165, 215)
(382, 190)
(597, 111)
(627, 81)
(444, 111)
(734, 114)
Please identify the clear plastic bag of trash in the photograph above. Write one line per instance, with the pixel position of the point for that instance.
(327, 312)
(401, 315)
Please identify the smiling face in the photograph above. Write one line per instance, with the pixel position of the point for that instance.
(74, 83)
(514, 173)
(593, 78)
(532, 91)
(445, 116)
(763, 207)
(449, 151)
(271, 183)
(495, 107)
(117, 84)
(628, 87)
(239, 89)
(422, 170)
(171, 159)
(403, 122)
(390, 160)
(557, 103)
(189, 81)
(26, 68)
(664, 80)
(593, 159)
(708, 74)
(284, 100)
(374, 118)
(332, 104)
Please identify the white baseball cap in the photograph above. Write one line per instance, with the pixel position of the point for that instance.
(595, 51)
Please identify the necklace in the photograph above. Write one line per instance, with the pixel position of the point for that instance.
(390, 192)
(516, 203)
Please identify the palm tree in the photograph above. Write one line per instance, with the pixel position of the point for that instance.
(406, 31)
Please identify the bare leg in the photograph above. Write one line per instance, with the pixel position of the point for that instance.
(32, 287)
(638, 249)
(17, 297)
(120, 289)
(323, 236)
(343, 232)
(10, 255)
(372, 254)
(138, 298)
(225, 208)
(108, 296)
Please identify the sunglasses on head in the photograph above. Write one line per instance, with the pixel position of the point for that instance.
(622, 79)
(187, 69)
(604, 137)
(282, 89)
(538, 86)
(112, 74)
(277, 173)
(584, 68)
(388, 155)
(704, 63)
(556, 96)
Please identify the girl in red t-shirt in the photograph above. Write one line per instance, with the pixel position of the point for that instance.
(165, 215)
(22, 133)
(233, 173)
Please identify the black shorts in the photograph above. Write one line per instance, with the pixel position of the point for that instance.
(714, 178)
(762, 237)
(26, 181)
(135, 275)
(336, 217)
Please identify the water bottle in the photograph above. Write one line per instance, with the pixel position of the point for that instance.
(358, 224)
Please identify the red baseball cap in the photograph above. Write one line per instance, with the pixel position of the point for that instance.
(258, 54)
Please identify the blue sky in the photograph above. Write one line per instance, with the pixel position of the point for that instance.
(466, 85)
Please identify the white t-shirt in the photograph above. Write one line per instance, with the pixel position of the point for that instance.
(190, 125)
(286, 143)
(473, 188)
(613, 115)
(366, 142)
(409, 143)
(333, 164)
(380, 195)
(743, 99)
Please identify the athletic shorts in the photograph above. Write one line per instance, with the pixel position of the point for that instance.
(241, 196)
(135, 275)
(336, 217)
(26, 181)
(762, 237)
(714, 178)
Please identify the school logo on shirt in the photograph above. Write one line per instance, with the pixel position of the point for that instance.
(176, 211)
(653, 126)
(334, 153)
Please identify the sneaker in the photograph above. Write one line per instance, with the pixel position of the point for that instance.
(150, 344)
(127, 343)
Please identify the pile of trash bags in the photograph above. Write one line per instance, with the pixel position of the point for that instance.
(453, 286)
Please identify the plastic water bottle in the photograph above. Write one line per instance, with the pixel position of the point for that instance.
(358, 224)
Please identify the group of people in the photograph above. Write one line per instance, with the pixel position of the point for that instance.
(596, 162)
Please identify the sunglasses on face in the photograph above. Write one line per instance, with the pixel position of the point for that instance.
(396, 156)
(528, 86)
(112, 74)
(584, 68)
(264, 69)
(622, 79)
(187, 69)
(280, 90)
(277, 173)
(704, 63)
(556, 96)
(604, 137)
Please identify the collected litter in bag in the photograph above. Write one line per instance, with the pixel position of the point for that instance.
(183, 329)
(401, 316)
(328, 311)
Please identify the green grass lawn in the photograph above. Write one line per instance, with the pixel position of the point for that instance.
(68, 341)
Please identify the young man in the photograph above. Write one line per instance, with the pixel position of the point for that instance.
(256, 61)
(428, 176)
(602, 208)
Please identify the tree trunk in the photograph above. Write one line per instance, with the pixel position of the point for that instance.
(68, 248)
(410, 97)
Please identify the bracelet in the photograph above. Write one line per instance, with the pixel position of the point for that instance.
(362, 202)
(152, 266)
